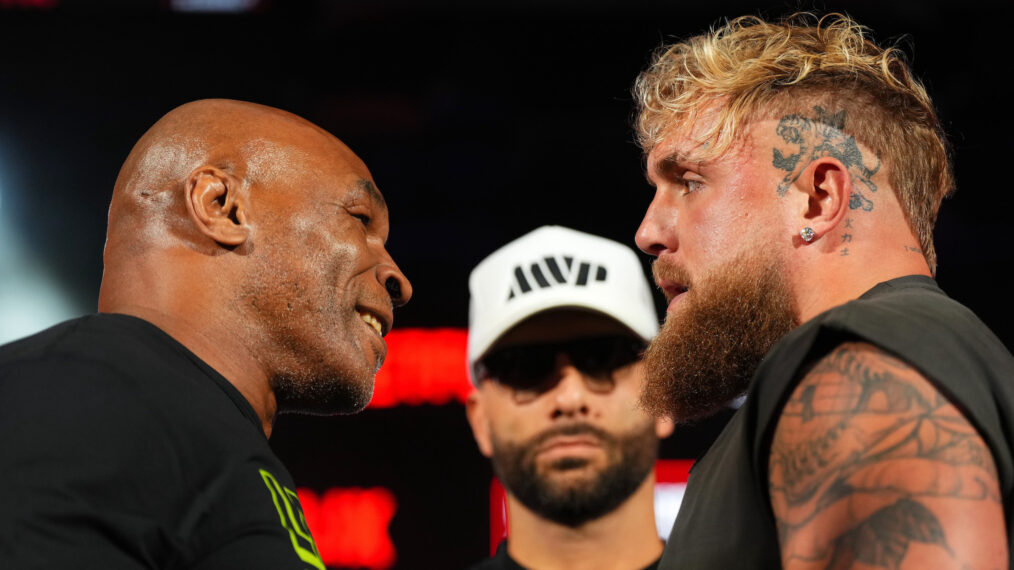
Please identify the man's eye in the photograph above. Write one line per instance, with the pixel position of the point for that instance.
(691, 185)
(362, 218)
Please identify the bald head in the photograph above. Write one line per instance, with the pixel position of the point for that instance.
(247, 224)
(254, 143)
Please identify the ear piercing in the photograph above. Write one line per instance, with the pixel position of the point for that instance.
(807, 234)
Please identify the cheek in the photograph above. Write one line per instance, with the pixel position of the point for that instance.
(511, 423)
(329, 263)
(622, 405)
(728, 231)
(625, 415)
(711, 228)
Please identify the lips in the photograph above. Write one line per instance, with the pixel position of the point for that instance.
(671, 278)
(568, 443)
(673, 290)
(379, 321)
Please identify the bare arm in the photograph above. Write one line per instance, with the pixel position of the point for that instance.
(872, 467)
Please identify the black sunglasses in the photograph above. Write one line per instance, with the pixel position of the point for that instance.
(527, 367)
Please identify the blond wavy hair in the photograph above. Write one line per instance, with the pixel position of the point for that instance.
(754, 69)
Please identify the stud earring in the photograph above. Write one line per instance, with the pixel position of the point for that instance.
(807, 234)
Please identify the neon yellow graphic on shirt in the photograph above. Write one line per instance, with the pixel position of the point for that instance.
(290, 514)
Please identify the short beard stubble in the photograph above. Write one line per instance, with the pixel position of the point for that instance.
(631, 456)
(708, 349)
(297, 324)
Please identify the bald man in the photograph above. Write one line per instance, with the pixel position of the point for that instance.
(245, 275)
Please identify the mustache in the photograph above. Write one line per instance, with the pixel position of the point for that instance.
(665, 270)
(570, 430)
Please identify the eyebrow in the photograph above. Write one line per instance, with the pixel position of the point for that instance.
(371, 190)
(664, 165)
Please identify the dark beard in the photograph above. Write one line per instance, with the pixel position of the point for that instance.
(706, 353)
(631, 457)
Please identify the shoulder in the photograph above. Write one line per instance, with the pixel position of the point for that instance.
(95, 339)
(914, 313)
(86, 367)
(869, 459)
(72, 414)
(87, 390)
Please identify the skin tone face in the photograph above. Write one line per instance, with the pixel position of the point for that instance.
(706, 213)
(499, 419)
(257, 240)
(321, 286)
(785, 172)
(717, 235)
(569, 403)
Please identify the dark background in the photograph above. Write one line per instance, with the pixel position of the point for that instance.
(479, 121)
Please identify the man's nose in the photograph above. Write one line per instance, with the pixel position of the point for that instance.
(657, 234)
(570, 395)
(397, 285)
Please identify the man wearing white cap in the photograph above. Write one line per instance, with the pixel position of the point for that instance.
(557, 323)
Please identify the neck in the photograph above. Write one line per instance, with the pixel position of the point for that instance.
(622, 539)
(833, 274)
(198, 324)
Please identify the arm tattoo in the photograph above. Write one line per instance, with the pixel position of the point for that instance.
(868, 459)
(823, 136)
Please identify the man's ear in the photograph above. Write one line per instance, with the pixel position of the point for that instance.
(826, 187)
(216, 205)
(475, 410)
(664, 427)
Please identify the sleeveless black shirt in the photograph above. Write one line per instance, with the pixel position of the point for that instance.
(726, 520)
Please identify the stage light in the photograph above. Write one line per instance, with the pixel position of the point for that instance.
(214, 6)
(29, 4)
(423, 366)
(671, 477)
(30, 300)
(350, 525)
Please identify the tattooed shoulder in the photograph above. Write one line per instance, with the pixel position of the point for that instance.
(871, 463)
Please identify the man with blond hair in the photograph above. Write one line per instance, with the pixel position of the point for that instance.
(798, 170)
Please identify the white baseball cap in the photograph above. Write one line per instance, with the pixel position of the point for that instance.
(555, 267)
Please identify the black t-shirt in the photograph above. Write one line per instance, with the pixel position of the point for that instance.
(119, 448)
(502, 561)
(726, 520)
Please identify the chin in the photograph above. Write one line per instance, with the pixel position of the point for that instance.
(323, 395)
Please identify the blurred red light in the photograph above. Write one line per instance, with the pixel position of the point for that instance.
(423, 366)
(29, 4)
(349, 525)
(498, 521)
